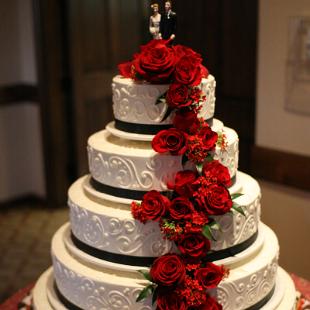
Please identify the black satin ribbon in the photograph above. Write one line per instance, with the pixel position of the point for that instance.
(123, 192)
(145, 129)
(69, 305)
(232, 251)
(118, 192)
(148, 261)
(262, 302)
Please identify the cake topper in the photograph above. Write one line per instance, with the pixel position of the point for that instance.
(155, 21)
(168, 23)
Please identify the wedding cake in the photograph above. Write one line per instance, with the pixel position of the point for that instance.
(164, 220)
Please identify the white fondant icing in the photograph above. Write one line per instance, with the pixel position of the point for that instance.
(134, 165)
(135, 102)
(229, 156)
(88, 287)
(40, 291)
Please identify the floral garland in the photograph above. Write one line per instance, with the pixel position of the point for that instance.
(181, 281)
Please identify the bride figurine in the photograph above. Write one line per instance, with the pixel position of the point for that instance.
(155, 22)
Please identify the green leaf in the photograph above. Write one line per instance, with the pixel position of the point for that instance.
(184, 159)
(145, 293)
(146, 275)
(206, 231)
(199, 168)
(209, 158)
(214, 225)
(234, 196)
(154, 297)
(238, 209)
(161, 99)
(169, 194)
(168, 112)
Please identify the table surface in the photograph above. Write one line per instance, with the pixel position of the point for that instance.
(22, 299)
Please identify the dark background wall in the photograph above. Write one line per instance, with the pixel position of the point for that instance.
(89, 39)
(78, 45)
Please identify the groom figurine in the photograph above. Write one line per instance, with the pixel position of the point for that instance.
(168, 22)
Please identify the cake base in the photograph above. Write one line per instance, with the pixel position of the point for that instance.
(45, 297)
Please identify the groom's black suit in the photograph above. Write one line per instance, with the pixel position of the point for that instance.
(168, 24)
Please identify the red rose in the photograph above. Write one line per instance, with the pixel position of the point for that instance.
(186, 120)
(137, 213)
(200, 144)
(214, 198)
(171, 140)
(170, 301)
(184, 183)
(168, 270)
(215, 169)
(177, 96)
(210, 304)
(208, 136)
(181, 208)
(155, 63)
(200, 219)
(194, 245)
(182, 50)
(125, 69)
(196, 150)
(210, 276)
(188, 71)
(204, 71)
(154, 206)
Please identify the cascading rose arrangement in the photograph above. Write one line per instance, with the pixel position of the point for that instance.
(184, 214)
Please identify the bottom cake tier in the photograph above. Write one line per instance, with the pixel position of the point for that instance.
(45, 297)
(83, 282)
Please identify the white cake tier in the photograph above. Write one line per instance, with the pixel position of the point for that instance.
(135, 166)
(45, 297)
(135, 102)
(109, 226)
(91, 287)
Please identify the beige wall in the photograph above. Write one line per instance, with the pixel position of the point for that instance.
(287, 212)
(284, 209)
(21, 159)
(276, 127)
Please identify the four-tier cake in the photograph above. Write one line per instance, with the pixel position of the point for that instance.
(164, 220)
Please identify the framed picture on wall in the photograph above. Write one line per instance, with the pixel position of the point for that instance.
(298, 65)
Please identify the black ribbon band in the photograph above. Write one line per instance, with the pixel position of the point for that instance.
(262, 302)
(69, 305)
(112, 257)
(145, 129)
(123, 192)
(140, 128)
(118, 192)
(234, 250)
(148, 261)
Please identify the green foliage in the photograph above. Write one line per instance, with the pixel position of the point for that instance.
(238, 209)
(234, 196)
(147, 291)
(146, 275)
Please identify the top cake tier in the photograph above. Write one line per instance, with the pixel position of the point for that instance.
(136, 108)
